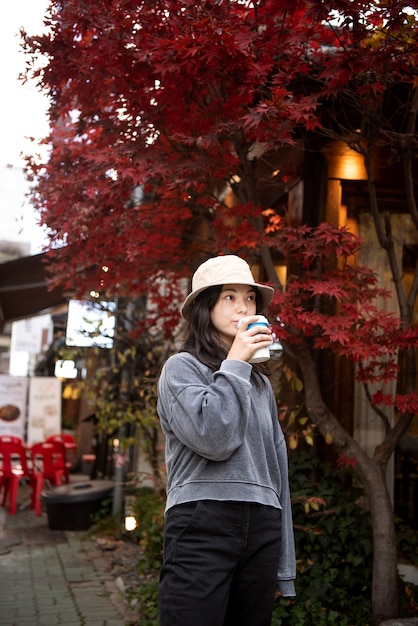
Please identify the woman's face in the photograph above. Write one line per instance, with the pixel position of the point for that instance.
(234, 303)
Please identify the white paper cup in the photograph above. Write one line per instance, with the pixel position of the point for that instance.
(262, 354)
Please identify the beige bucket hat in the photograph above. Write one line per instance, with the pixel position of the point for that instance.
(221, 270)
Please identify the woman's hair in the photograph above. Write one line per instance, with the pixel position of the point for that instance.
(203, 340)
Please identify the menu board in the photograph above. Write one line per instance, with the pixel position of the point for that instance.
(44, 409)
(13, 400)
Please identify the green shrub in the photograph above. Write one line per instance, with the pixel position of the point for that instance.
(407, 539)
(148, 508)
(334, 549)
(147, 594)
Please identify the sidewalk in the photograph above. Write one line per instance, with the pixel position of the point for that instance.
(48, 577)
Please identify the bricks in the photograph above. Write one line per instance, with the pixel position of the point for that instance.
(46, 577)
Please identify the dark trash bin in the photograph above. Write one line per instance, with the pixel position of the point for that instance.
(70, 507)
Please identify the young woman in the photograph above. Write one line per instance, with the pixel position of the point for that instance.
(228, 538)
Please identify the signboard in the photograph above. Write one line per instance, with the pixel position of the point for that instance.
(33, 334)
(13, 396)
(44, 412)
(90, 324)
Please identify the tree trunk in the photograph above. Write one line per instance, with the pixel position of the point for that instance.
(371, 473)
(385, 577)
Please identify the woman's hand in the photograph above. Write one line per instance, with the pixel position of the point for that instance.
(248, 340)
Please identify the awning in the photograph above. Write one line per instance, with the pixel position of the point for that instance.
(23, 289)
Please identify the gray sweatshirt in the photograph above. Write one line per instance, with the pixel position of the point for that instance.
(224, 442)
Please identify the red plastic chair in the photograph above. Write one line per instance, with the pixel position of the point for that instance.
(11, 439)
(7, 439)
(66, 438)
(14, 468)
(70, 447)
(48, 459)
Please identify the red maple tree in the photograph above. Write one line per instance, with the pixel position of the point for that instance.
(162, 111)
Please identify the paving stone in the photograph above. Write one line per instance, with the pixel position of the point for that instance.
(47, 577)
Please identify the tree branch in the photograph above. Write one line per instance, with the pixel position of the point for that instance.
(376, 409)
(408, 174)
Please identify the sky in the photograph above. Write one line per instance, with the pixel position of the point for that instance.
(22, 114)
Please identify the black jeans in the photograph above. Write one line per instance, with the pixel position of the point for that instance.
(220, 564)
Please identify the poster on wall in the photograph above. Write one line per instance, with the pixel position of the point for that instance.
(44, 411)
(33, 334)
(13, 397)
